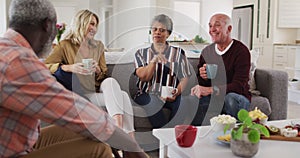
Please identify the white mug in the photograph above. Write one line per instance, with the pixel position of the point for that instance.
(87, 63)
(166, 91)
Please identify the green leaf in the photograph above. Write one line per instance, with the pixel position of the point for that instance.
(226, 128)
(254, 136)
(239, 133)
(248, 121)
(233, 134)
(242, 115)
(263, 130)
(256, 126)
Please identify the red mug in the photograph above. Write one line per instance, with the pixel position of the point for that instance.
(185, 135)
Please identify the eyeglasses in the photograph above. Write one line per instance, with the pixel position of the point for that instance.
(161, 30)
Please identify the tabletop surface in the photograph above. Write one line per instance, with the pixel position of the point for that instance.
(207, 145)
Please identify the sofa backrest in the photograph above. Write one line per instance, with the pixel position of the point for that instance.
(123, 73)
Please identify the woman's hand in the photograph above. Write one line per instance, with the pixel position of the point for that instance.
(96, 68)
(159, 58)
(175, 93)
(77, 68)
(202, 71)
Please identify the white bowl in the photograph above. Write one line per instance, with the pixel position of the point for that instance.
(220, 126)
(219, 122)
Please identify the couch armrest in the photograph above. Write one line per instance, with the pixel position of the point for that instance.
(273, 84)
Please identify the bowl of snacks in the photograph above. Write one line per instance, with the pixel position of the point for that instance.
(258, 116)
(219, 122)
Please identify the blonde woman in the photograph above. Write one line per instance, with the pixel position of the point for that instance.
(65, 62)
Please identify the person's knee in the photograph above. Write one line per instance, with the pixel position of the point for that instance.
(124, 94)
(101, 150)
(230, 100)
(110, 80)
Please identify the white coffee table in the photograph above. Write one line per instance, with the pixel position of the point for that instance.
(209, 147)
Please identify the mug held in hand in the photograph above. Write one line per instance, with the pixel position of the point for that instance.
(211, 70)
(166, 91)
(88, 64)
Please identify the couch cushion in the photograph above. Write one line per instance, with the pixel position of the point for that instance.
(261, 103)
(254, 57)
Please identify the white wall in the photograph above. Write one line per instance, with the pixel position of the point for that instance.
(132, 17)
(298, 34)
(4, 6)
(187, 26)
(66, 9)
(130, 23)
(2, 17)
(237, 3)
(210, 7)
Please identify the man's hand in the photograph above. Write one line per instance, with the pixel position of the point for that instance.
(200, 91)
(202, 71)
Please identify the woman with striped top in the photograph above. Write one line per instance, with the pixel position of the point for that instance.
(161, 65)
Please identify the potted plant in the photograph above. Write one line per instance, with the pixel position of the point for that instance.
(245, 138)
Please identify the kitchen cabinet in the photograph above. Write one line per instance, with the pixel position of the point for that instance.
(288, 14)
(285, 58)
(262, 24)
(262, 29)
(280, 57)
(265, 31)
(265, 59)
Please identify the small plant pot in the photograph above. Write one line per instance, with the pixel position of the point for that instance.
(243, 147)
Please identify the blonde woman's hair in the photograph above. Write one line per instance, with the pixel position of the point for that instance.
(79, 26)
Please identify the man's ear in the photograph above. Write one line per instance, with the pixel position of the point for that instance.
(229, 28)
(46, 25)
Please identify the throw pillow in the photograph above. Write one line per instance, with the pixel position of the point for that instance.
(254, 57)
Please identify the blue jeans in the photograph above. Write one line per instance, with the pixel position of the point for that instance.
(196, 109)
(153, 107)
(234, 103)
(230, 105)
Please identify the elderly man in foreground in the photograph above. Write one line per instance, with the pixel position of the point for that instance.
(29, 94)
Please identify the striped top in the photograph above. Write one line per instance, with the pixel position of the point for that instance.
(168, 74)
(28, 93)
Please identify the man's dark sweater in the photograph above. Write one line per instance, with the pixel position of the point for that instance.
(233, 68)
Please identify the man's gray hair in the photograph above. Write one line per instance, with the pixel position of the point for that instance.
(30, 12)
(165, 20)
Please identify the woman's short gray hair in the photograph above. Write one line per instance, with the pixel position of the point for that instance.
(165, 20)
(30, 12)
